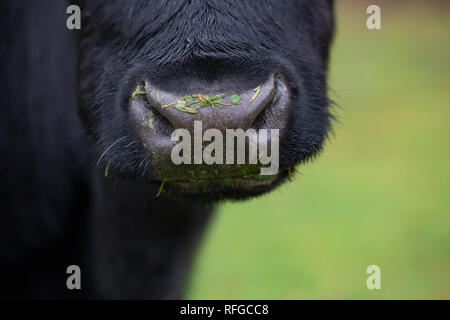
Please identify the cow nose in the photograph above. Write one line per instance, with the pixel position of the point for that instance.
(158, 114)
(216, 108)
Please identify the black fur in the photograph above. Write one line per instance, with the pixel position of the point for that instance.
(56, 207)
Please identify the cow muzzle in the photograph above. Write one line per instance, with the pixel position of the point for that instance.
(217, 135)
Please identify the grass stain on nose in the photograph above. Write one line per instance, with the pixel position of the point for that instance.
(192, 103)
(140, 90)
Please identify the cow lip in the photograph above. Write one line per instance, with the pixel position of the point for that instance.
(218, 189)
(263, 180)
(234, 176)
(233, 189)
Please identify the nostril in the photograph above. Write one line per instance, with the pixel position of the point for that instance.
(153, 98)
(275, 114)
(262, 98)
(145, 115)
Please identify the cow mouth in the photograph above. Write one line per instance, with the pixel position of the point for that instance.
(213, 189)
(216, 177)
(222, 184)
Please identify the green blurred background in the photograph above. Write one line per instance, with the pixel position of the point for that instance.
(379, 193)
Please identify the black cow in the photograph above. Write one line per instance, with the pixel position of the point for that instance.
(84, 182)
